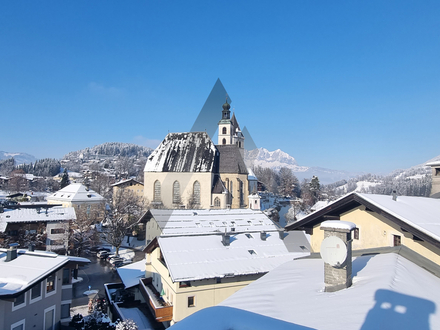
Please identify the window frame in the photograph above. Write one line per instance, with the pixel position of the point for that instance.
(17, 324)
(54, 291)
(176, 193)
(39, 297)
(23, 304)
(193, 304)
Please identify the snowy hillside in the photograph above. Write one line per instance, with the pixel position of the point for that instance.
(277, 159)
(414, 181)
(19, 157)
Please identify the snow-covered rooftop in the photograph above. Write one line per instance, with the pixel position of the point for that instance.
(26, 215)
(203, 257)
(422, 213)
(29, 268)
(388, 292)
(76, 192)
(336, 224)
(130, 274)
(183, 152)
(196, 222)
(125, 181)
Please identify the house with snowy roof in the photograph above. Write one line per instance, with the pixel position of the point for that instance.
(187, 170)
(389, 291)
(75, 194)
(187, 273)
(36, 288)
(130, 184)
(381, 221)
(45, 226)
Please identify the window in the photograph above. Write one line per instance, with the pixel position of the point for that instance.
(224, 130)
(36, 291)
(196, 195)
(217, 202)
(224, 141)
(437, 171)
(356, 233)
(66, 276)
(50, 283)
(191, 301)
(251, 252)
(21, 299)
(185, 284)
(57, 231)
(65, 311)
(20, 325)
(49, 318)
(396, 240)
(156, 196)
(176, 192)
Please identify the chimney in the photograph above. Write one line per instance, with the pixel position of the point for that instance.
(12, 252)
(226, 239)
(336, 253)
(281, 233)
(31, 247)
(263, 235)
(394, 194)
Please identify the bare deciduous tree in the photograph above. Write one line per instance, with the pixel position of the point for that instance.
(125, 211)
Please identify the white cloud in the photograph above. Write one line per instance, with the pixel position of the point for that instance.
(143, 141)
(101, 89)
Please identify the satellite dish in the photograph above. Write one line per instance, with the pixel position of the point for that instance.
(333, 251)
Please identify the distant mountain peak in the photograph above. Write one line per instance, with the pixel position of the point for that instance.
(19, 157)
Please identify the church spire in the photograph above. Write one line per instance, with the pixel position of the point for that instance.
(226, 113)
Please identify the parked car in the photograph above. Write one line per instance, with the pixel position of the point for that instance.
(115, 260)
(98, 248)
(103, 254)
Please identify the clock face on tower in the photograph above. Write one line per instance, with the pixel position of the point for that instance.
(333, 251)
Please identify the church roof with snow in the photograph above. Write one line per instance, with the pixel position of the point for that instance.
(183, 152)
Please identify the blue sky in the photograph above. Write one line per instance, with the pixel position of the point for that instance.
(346, 85)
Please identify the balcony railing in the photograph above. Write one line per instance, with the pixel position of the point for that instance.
(162, 310)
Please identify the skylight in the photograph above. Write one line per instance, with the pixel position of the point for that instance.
(252, 252)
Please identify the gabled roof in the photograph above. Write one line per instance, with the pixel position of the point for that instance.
(217, 186)
(203, 257)
(29, 268)
(418, 215)
(183, 152)
(231, 160)
(76, 192)
(126, 181)
(200, 222)
(28, 215)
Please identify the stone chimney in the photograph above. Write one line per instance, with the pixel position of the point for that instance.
(226, 239)
(336, 253)
(11, 253)
(435, 187)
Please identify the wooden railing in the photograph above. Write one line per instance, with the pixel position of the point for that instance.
(162, 310)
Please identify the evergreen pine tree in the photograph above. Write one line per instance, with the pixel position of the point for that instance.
(65, 179)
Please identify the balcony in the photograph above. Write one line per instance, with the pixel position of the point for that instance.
(161, 310)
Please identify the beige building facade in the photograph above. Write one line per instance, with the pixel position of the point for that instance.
(381, 221)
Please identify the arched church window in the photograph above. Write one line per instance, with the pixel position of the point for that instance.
(176, 192)
(217, 202)
(224, 130)
(224, 141)
(196, 194)
(156, 196)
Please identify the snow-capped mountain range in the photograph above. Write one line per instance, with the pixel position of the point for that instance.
(278, 158)
(19, 157)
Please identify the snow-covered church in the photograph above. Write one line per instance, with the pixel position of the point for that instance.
(187, 170)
